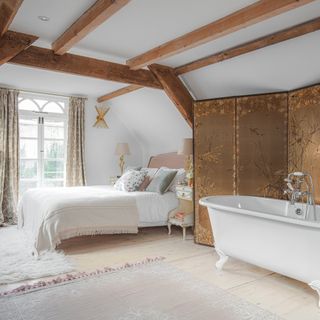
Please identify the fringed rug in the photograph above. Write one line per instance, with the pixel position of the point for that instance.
(144, 291)
(18, 264)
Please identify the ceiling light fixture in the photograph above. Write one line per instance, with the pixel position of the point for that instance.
(44, 18)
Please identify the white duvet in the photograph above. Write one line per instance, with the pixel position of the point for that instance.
(50, 215)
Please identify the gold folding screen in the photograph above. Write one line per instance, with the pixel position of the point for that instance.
(304, 133)
(214, 127)
(247, 145)
(261, 144)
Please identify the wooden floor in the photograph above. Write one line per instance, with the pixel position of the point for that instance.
(288, 298)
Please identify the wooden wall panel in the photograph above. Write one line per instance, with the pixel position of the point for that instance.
(262, 144)
(304, 133)
(214, 139)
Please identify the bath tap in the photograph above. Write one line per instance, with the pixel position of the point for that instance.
(295, 182)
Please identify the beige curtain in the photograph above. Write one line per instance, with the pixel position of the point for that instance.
(9, 155)
(75, 148)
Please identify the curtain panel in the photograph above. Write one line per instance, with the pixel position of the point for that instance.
(75, 175)
(9, 155)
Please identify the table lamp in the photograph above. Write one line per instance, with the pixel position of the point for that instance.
(122, 149)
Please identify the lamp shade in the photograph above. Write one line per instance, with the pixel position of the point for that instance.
(187, 147)
(121, 149)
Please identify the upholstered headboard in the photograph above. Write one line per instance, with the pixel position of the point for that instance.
(170, 160)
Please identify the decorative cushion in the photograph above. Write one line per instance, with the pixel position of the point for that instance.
(162, 180)
(130, 181)
(178, 180)
(150, 174)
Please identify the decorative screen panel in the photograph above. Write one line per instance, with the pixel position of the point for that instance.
(214, 139)
(304, 134)
(262, 144)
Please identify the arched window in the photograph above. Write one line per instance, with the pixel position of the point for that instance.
(43, 122)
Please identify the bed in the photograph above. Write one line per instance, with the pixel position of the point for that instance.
(50, 215)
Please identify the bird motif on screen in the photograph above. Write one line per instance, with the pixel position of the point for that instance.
(100, 121)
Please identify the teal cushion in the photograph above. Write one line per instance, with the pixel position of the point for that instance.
(162, 180)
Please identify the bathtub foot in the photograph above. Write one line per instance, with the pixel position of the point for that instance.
(223, 259)
(315, 285)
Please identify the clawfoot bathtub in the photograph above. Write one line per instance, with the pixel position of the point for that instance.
(262, 231)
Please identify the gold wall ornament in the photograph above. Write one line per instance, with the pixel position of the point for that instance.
(100, 121)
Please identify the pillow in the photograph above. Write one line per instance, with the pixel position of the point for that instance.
(161, 181)
(130, 181)
(178, 179)
(150, 174)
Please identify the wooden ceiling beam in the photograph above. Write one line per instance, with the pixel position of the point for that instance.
(263, 42)
(119, 92)
(175, 90)
(8, 10)
(90, 20)
(255, 13)
(84, 66)
(12, 43)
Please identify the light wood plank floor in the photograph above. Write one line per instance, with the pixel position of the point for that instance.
(288, 298)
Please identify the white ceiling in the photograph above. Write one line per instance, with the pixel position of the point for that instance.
(144, 24)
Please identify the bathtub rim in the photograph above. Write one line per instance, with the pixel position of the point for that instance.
(204, 201)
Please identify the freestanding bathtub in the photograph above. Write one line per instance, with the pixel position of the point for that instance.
(266, 233)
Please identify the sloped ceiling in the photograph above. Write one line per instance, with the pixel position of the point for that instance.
(143, 24)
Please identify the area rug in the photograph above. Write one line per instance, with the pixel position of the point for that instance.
(144, 291)
(17, 262)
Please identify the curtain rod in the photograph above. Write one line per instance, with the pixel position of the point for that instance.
(44, 93)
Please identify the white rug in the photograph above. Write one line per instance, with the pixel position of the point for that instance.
(146, 291)
(17, 263)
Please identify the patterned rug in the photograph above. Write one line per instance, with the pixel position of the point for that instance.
(146, 291)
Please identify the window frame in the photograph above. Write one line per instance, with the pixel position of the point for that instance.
(41, 117)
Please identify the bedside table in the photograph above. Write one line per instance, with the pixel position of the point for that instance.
(182, 216)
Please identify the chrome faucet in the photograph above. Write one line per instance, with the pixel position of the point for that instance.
(296, 181)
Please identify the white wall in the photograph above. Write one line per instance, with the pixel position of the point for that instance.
(101, 163)
(153, 120)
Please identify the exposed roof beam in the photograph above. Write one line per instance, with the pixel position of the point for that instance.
(118, 93)
(274, 38)
(175, 90)
(8, 10)
(90, 20)
(257, 12)
(263, 42)
(70, 63)
(13, 43)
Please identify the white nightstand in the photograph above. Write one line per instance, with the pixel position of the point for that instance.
(182, 216)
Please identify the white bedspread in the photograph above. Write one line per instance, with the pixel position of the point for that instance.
(50, 215)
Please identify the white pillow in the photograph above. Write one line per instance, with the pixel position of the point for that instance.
(130, 181)
(178, 179)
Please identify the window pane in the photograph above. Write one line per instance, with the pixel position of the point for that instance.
(28, 104)
(26, 184)
(53, 132)
(53, 175)
(53, 183)
(28, 169)
(29, 148)
(28, 131)
(52, 107)
(53, 166)
(53, 149)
